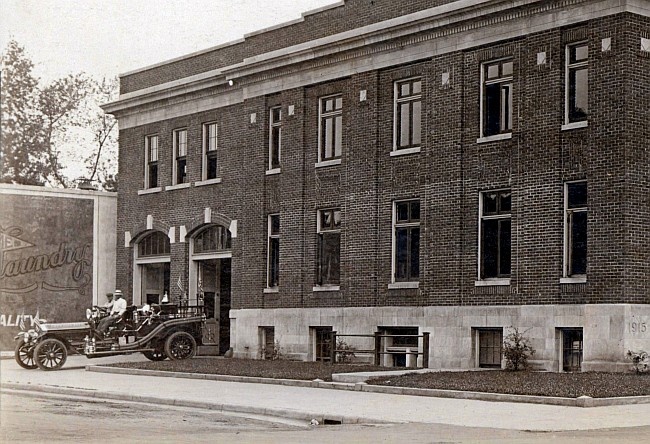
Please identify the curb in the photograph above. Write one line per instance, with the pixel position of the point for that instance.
(583, 401)
(205, 405)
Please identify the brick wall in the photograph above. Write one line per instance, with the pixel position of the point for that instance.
(447, 176)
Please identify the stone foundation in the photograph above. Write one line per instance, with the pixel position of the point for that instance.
(609, 330)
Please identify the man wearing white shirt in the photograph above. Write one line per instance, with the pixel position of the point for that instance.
(119, 307)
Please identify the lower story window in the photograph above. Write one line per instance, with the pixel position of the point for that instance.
(571, 349)
(489, 343)
(322, 343)
(268, 349)
(400, 345)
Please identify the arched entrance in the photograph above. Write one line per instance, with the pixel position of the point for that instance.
(210, 278)
(151, 268)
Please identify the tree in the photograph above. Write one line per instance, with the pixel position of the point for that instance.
(20, 162)
(45, 128)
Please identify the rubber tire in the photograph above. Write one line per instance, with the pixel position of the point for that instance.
(50, 345)
(155, 355)
(26, 361)
(180, 338)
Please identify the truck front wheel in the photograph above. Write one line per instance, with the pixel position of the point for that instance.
(50, 354)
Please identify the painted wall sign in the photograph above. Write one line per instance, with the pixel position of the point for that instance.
(46, 260)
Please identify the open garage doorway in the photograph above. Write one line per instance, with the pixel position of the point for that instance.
(214, 279)
(210, 279)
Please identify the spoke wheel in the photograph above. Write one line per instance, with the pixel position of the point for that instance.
(156, 355)
(24, 355)
(50, 354)
(180, 345)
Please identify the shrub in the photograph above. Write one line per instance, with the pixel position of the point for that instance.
(640, 360)
(517, 350)
(344, 353)
(274, 354)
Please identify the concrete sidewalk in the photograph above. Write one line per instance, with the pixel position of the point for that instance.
(306, 403)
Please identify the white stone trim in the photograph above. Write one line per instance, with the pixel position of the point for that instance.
(179, 186)
(454, 13)
(574, 125)
(403, 285)
(504, 136)
(405, 151)
(150, 191)
(200, 183)
(573, 280)
(269, 290)
(492, 282)
(325, 288)
(273, 171)
(326, 163)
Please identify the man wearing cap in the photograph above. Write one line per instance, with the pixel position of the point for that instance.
(108, 306)
(119, 307)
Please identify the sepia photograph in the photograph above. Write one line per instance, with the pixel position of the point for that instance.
(352, 221)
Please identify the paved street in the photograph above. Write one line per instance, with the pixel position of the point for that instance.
(52, 419)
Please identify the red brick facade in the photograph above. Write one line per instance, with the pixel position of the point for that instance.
(447, 175)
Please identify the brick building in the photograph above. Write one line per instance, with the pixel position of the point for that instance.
(452, 167)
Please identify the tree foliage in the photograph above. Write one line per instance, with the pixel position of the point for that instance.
(55, 134)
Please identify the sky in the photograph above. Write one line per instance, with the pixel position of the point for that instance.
(107, 37)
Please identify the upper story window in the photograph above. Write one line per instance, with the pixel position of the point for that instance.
(179, 174)
(496, 98)
(151, 162)
(275, 137)
(495, 234)
(273, 252)
(406, 247)
(155, 244)
(210, 151)
(330, 128)
(408, 114)
(213, 239)
(577, 83)
(329, 247)
(575, 229)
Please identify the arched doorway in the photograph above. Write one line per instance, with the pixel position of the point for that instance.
(151, 268)
(210, 278)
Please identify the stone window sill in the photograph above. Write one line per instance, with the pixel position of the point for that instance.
(201, 183)
(403, 285)
(404, 151)
(325, 288)
(326, 163)
(273, 171)
(573, 280)
(271, 290)
(494, 138)
(150, 191)
(179, 186)
(492, 282)
(574, 125)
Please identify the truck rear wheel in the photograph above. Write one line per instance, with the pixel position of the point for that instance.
(24, 355)
(180, 345)
(50, 354)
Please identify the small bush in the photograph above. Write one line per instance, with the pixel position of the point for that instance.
(345, 352)
(274, 354)
(640, 360)
(517, 350)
